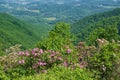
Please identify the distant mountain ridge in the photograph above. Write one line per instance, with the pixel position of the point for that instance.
(52, 11)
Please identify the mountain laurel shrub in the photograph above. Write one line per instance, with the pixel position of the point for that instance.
(108, 33)
(105, 62)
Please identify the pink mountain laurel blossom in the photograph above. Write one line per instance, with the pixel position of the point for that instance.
(65, 64)
(35, 49)
(27, 53)
(41, 51)
(21, 53)
(53, 54)
(42, 63)
(34, 53)
(69, 51)
(21, 61)
(59, 58)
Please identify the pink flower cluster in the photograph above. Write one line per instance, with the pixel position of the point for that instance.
(65, 64)
(21, 53)
(37, 58)
(24, 53)
(21, 61)
(42, 63)
(53, 54)
(69, 50)
(37, 51)
(27, 53)
(36, 65)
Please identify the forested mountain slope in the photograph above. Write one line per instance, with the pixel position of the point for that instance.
(13, 31)
(85, 26)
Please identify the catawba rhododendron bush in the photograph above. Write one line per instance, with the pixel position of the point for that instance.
(38, 59)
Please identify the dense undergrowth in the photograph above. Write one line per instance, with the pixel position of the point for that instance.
(56, 58)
